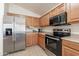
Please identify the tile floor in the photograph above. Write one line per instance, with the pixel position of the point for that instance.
(30, 51)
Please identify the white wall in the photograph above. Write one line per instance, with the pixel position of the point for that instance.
(74, 28)
(1, 31)
(19, 10)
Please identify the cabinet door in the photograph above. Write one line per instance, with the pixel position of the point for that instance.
(44, 20)
(41, 21)
(35, 22)
(29, 21)
(41, 41)
(74, 10)
(60, 9)
(34, 38)
(53, 12)
(69, 52)
(31, 39)
(28, 39)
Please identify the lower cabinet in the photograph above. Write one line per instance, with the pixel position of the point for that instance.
(34, 39)
(70, 48)
(31, 39)
(41, 41)
(69, 51)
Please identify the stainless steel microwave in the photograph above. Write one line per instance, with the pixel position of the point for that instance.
(60, 19)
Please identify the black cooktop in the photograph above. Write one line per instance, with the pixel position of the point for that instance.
(57, 35)
(51, 35)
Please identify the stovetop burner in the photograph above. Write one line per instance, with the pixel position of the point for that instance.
(58, 34)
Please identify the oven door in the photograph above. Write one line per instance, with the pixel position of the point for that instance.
(53, 45)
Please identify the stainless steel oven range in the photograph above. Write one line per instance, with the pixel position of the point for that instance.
(54, 44)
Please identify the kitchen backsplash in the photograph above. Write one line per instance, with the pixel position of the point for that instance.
(31, 29)
(74, 28)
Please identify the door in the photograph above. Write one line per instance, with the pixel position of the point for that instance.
(74, 10)
(44, 20)
(31, 39)
(53, 45)
(19, 33)
(8, 43)
(69, 51)
(41, 40)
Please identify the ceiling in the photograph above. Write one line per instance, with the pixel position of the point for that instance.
(38, 8)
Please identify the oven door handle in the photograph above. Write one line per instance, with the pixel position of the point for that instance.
(53, 38)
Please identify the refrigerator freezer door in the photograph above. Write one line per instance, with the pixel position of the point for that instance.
(8, 43)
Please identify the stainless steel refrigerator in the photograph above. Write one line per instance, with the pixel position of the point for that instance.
(14, 34)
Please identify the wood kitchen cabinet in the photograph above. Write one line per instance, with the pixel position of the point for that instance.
(73, 12)
(41, 40)
(59, 9)
(69, 51)
(31, 39)
(70, 48)
(29, 21)
(32, 21)
(53, 12)
(44, 20)
(35, 22)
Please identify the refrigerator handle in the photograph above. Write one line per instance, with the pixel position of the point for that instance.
(14, 37)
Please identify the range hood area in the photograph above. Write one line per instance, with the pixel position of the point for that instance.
(59, 20)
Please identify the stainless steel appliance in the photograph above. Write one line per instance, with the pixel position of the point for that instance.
(53, 44)
(62, 32)
(53, 41)
(14, 34)
(58, 20)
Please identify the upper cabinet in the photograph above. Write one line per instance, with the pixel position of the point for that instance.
(28, 21)
(32, 21)
(59, 9)
(53, 13)
(73, 12)
(44, 20)
(35, 22)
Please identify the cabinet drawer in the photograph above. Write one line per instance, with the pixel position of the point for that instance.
(69, 52)
(71, 44)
